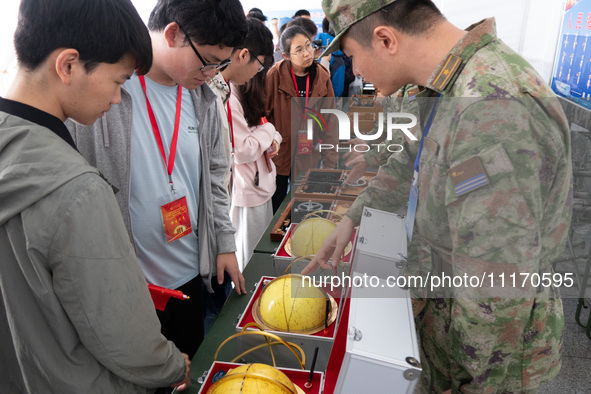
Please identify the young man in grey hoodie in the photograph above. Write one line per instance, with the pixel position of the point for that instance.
(75, 312)
(162, 148)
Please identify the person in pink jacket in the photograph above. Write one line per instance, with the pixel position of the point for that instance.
(254, 140)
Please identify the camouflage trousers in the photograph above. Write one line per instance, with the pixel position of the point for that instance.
(467, 352)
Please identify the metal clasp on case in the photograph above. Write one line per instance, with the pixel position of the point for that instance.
(355, 334)
(413, 362)
(202, 378)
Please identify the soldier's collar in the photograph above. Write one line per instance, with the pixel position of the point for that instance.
(411, 91)
(479, 35)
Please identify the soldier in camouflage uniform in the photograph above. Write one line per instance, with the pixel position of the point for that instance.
(497, 122)
(404, 100)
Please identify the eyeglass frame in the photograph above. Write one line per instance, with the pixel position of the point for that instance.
(206, 66)
(300, 51)
(262, 66)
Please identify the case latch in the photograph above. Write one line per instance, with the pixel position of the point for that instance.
(355, 334)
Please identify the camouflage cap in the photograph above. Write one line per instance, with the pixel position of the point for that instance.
(344, 13)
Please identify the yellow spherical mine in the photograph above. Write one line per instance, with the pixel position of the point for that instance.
(291, 304)
(309, 235)
(253, 379)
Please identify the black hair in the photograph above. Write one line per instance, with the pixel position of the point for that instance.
(206, 22)
(288, 35)
(259, 41)
(412, 17)
(252, 98)
(300, 13)
(325, 25)
(256, 13)
(307, 24)
(102, 31)
(282, 29)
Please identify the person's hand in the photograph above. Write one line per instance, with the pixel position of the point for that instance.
(227, 262)
(275, 149)
(333, 247)
(187, 381)
(360, 166)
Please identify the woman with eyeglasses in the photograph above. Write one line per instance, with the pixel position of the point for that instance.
(298, 75)
(254, 140)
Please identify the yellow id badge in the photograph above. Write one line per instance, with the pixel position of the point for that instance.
(176, 220)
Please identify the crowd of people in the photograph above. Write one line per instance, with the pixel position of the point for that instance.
(133, 154)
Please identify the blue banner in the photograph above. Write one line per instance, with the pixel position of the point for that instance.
(572, 66)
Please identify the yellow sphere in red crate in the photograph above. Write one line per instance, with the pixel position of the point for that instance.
(252, 379)
(291, 303)
(309, 235)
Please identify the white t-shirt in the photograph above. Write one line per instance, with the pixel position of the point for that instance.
(164, 264)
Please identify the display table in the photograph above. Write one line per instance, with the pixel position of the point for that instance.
(259, 265)
(265, 244)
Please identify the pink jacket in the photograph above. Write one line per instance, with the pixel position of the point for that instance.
(249, 145)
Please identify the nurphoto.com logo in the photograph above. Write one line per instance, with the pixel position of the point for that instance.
(392, 124)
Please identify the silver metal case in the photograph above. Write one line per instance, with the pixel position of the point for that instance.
(381, 248)
(382, 353)
(382, 345)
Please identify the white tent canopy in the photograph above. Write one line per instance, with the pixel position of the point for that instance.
(529, 27)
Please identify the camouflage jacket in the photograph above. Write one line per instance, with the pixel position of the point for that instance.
(494, 197)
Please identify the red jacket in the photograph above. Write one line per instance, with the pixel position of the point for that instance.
(280, 89)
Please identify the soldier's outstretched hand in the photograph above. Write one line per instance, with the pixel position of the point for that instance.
(332, 249)
(359, 167)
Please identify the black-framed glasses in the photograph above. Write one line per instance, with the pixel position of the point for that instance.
(206, 66)
(262, 66)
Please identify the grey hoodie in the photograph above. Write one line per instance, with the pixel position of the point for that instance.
(75, 312)
(106, 144)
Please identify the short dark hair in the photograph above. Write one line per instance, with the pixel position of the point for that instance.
(102, 31)
(288, 35)
(259, 41)
(412, 17)
(308, 25)
(282, 29)
(207, 22)
(300, 13)
(256, 13)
